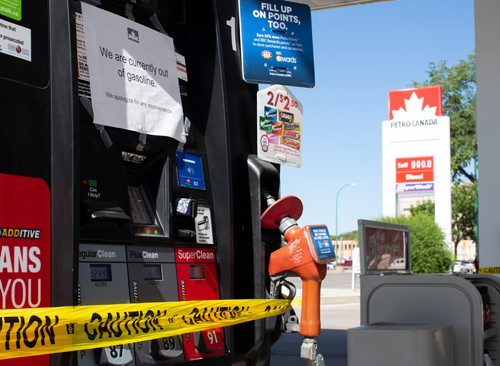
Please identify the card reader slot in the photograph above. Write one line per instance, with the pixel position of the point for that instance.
(111, 213)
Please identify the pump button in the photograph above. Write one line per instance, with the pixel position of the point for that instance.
(210, 342)
(116, 355)
(166, 348)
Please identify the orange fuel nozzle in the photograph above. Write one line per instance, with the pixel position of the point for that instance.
(298, 256)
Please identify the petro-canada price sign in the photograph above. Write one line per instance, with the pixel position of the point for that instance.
(416, 154)
(276, 43)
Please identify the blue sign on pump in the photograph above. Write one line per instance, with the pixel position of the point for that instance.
(276, 42)
(322, 243)
(190, 170)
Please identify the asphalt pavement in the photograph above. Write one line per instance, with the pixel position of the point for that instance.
(339, 312)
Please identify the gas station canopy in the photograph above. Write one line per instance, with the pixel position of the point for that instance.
(327, 4)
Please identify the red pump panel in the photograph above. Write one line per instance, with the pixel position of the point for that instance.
(24, 249)
(197, 280)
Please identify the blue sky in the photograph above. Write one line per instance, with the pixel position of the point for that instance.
(361, 52)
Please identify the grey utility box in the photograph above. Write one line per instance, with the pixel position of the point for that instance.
(400, 344)
(430, 299)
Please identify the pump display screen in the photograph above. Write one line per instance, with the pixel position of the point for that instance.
(384, 247)
(152, 272)
(197, 272)
(100, 272)
(140, 212)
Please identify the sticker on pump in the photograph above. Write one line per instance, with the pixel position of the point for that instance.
(320, 244)
(12, 9)
(279, 126)
(15, 40)
(203, 226)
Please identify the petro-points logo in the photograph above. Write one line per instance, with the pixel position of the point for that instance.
(267, 55)
(289, 60)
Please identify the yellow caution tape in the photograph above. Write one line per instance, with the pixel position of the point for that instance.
(492, 270)
(37, 331)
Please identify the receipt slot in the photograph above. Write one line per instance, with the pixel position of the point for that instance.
(152, 278)
(103, 280)
(197, 280)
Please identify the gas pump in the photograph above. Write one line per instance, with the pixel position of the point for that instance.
(114, 191)
(306, 253)
(152, 278)
(150, 195)
(103, 280)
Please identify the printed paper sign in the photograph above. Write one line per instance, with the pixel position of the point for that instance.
(15, 40)
(133, 75)
(203, 226)
(276, 42)
(81, 55)
(279, 126)
(11, 9)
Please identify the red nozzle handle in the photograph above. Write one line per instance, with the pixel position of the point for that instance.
(310, 324)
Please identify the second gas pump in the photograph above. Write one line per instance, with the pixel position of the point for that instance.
(146, 231)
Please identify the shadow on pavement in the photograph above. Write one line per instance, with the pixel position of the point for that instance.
(332, 344)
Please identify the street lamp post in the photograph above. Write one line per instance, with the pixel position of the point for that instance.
(337, 215)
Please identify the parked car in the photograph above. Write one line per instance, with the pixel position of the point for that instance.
(464, 267)
(331, 265)
(398, 263)
(347, 263)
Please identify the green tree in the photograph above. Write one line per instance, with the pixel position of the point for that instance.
(429, 252)
(426, 208)
(463, 198)
(459, 103)
(351, 235)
